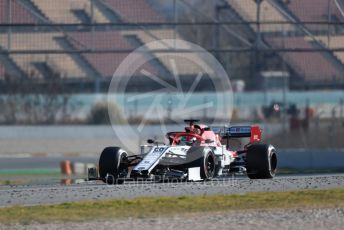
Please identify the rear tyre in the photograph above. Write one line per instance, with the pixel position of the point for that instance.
(261, 161)
(203, 158)
(113, 167)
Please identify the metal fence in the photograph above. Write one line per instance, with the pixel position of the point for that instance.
(263, 43)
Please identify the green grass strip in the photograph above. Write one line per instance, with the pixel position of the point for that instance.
(161, 206)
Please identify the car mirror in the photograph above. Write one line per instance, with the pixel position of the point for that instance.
(150, 141)
(208, 141)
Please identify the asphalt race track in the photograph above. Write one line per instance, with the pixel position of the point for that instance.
(47, 194)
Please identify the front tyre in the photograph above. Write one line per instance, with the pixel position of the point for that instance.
(113, 167)
(203, 158)
(261, 161)
(208, 166)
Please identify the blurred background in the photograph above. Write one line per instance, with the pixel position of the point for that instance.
(285, 60)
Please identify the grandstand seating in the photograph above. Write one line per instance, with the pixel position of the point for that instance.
(248, 11)
(142, 12)
(313, 66)
(104, 63)
(315, 10)
(147, 36)
(334, 42)
(18, 14)
(184, 66)
(62, 63)
(61, 11)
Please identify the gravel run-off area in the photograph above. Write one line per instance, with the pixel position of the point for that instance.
(52, 194)
(326, 218)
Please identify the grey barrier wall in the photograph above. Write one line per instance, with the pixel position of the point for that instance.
(311, 159)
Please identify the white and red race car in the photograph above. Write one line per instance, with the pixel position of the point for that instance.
(198, 153)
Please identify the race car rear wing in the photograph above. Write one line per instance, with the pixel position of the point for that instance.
(253, 132)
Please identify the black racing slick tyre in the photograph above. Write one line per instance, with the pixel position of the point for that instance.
(203, 158)
(261, 161)
(112, 165)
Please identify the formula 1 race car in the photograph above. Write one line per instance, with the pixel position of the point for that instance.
(198, 153)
